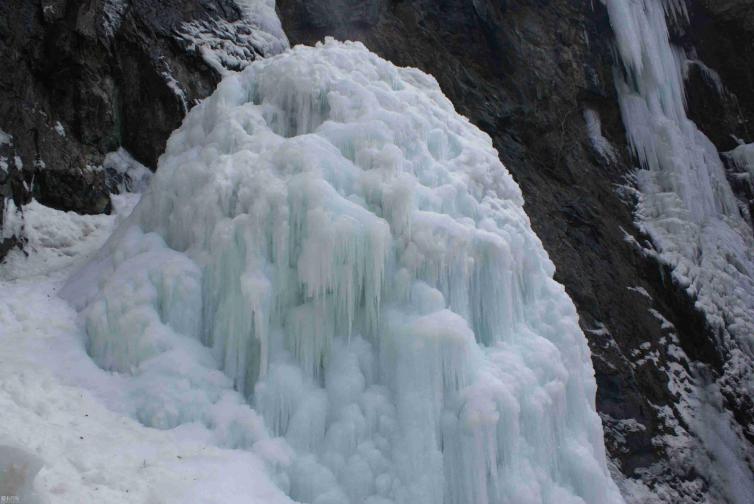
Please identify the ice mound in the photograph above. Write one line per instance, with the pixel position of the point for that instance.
(350, 252)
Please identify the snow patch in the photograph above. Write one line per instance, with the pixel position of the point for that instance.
(176, 88)
(59, 129)
(17, 472)
(5, 138)
(594, 129)
(641, 291)
(54, 238)
(113, 12)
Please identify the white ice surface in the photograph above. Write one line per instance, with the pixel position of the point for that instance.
(353, 256)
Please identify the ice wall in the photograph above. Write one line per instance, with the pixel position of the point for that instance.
(359, 263)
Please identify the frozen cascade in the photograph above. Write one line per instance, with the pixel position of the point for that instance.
(696, 224)
(351, 253)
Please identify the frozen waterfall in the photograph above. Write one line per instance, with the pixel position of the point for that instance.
(686, 204)
(326, 236)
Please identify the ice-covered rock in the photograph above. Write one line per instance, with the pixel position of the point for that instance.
(350, 252)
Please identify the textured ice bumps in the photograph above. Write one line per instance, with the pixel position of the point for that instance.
(355, 258)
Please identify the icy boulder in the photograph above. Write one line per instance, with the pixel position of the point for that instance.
(359, 263)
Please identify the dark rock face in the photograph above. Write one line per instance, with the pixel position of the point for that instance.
(525, 71)
(83, 78)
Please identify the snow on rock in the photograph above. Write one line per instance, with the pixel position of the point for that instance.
(175, 87)
(53, 237)
(594, 129)
(59, 129)
(350, 252)
(232, 45)
(133, 176)
(113, 12)
(5, 138)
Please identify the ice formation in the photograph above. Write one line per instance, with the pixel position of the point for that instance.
(352, 255)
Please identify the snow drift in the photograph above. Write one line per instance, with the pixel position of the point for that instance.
(326, 236)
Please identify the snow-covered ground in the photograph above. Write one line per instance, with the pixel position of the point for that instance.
(58, 409)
